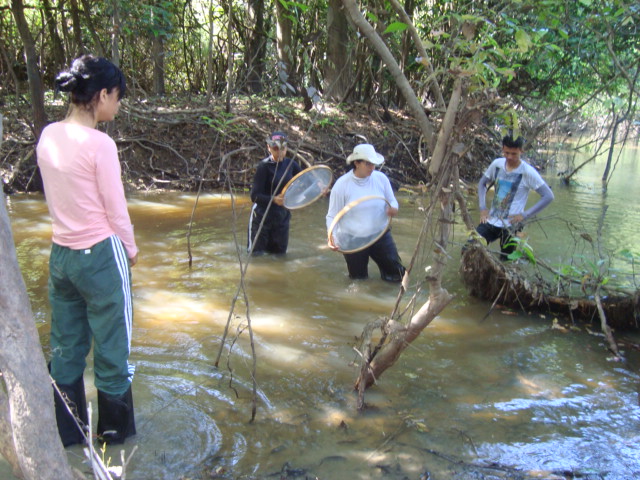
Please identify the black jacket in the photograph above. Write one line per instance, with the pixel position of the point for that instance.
(270, 179)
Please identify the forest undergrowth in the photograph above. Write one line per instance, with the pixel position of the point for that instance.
(186, 144)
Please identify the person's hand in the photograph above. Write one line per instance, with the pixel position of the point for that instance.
(326, 191)
(484, 215)
(279, 200)
(332, 244)
(517, 218)
(392, 212)
(133, 260)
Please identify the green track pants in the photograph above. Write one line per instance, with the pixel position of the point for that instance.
(90, 296)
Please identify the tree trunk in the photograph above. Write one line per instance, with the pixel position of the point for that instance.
(614, 134)
(229, 60)
(7, 450)
(157, 52)
(401, 336)
(396, 335)
(32, 433)
(379, 46)
(158, 65)
(36, 89)
(256, 46)
(54, 37)
(33, 73)
(210, 54)
(338, 72)
(446, 129)
(115, 36)
(77, 29)
(433, 84)
(97, 43)
(284, 47)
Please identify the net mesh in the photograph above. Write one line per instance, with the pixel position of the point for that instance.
(306, 187)
(360, 224)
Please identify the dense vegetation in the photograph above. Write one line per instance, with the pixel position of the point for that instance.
(549, 63)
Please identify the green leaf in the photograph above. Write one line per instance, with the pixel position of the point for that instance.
(301, 6)
(523, 40)
(515, 255)
(395, 27)
(507, 72)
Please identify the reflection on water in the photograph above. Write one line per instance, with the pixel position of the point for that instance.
(505, 397)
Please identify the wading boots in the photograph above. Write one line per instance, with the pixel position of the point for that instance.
(71, 425)
(115, 417)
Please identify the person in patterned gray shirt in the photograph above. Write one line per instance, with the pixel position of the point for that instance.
(514, 179)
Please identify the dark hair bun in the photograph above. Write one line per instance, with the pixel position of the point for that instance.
(87, 76)
(66, 82)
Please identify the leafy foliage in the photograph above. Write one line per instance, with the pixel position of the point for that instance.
(549, 52)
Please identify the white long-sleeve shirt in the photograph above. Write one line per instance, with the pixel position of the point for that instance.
(349, 188)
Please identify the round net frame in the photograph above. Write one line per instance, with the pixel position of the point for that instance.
(306, 187)
(360, 224)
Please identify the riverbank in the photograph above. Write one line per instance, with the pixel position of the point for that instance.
(186, 145)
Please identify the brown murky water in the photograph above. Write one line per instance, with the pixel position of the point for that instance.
(507, 397)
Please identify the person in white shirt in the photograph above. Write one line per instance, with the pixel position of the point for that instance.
(361, 181)
(514, 179)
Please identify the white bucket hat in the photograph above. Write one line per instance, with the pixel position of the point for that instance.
(366, 152)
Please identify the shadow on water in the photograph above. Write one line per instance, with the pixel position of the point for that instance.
(507, 397)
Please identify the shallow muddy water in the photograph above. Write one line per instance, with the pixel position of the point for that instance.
(503, 397)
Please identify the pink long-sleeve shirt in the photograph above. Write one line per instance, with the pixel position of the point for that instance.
(82, 184)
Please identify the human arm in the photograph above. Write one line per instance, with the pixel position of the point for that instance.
(392, 209)
(546, 197)
(111, 190)
(291, 169)
(483, 186)
(336, 203)
(260, 194)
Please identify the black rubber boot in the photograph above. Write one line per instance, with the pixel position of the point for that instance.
(115, 417)
(73, 394)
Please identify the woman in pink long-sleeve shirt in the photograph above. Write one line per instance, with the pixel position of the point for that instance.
(92, 252)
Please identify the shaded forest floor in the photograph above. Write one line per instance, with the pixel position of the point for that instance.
(187, 144)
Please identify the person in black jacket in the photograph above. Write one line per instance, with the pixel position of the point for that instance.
(272, 174)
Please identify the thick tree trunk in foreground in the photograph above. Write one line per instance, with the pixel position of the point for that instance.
(7, 450)
(28, 432)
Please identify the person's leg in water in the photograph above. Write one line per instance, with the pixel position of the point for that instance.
(70, 344)
(385, 253)
(279, 232)
(358, 264)
(106, 284)
(255, 241)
